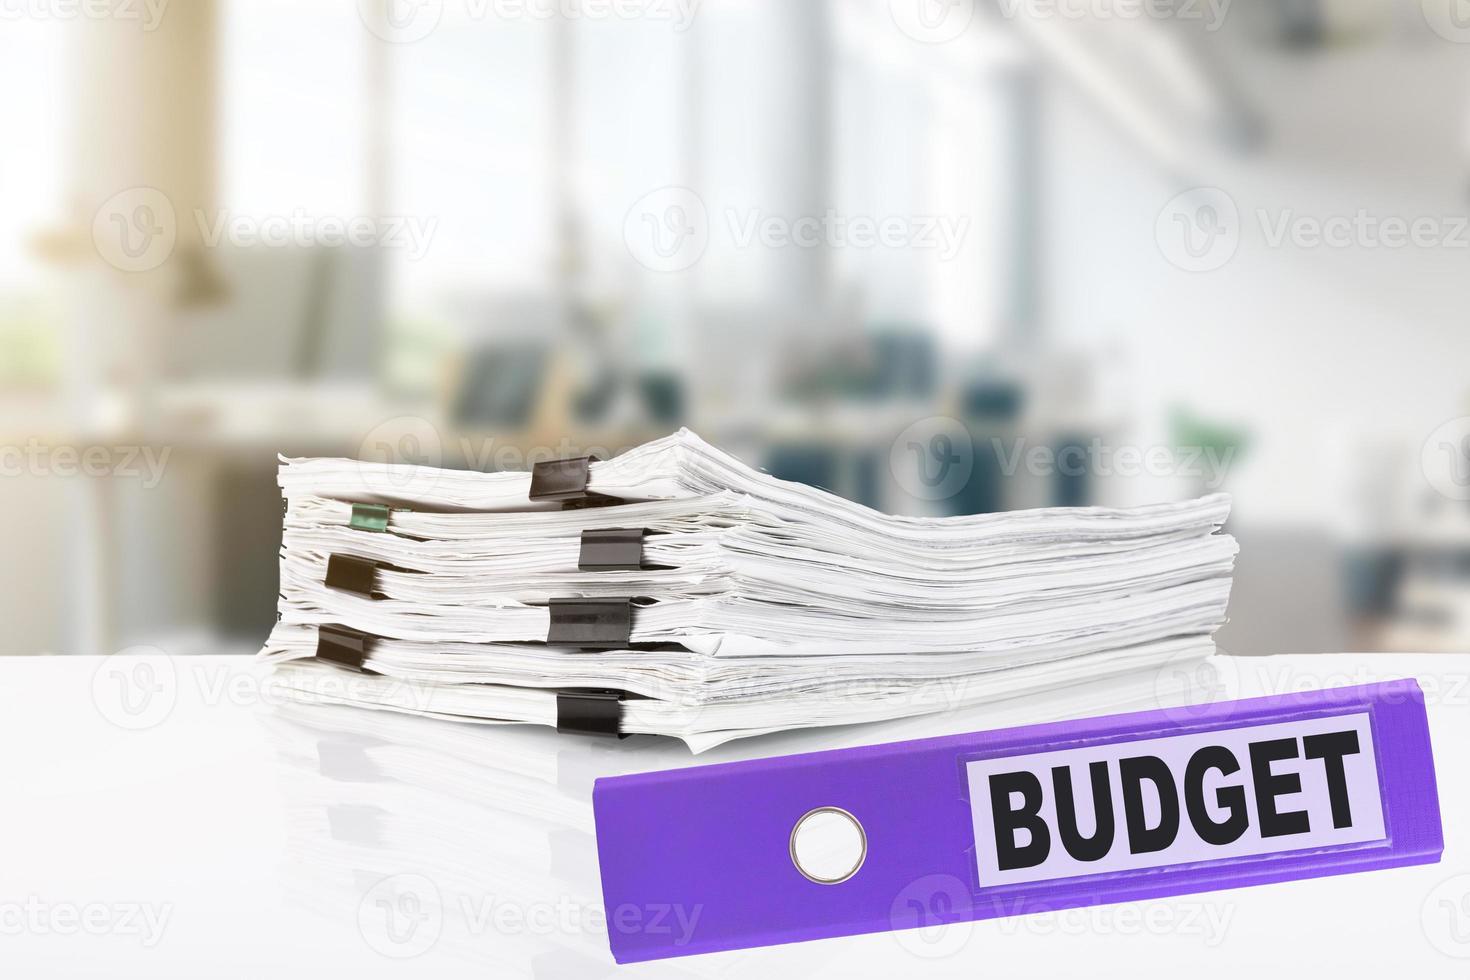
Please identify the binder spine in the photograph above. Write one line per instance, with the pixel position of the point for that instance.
(970, 827)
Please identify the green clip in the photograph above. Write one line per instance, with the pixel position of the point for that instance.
(370, 517)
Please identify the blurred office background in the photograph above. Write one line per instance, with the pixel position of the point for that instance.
(941, 257)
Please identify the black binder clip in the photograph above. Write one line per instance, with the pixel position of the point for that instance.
(356, 575)
(565, 481)
(369, 517)
(590, 713)
(613, 549)
(344, 647)
(592, 624)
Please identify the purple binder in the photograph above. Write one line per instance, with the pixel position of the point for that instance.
(1022, 820)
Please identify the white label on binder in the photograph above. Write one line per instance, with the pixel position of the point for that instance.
(1204, 796)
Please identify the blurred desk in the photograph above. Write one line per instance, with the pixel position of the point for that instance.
(170, 819)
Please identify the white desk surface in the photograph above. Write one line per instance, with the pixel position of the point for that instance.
(169, 819)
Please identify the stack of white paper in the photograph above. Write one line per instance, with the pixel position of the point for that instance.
(759, 604)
